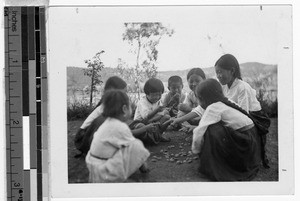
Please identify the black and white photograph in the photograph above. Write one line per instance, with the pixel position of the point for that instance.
(170, 95)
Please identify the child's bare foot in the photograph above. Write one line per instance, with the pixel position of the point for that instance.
(165, 139)
(144, 168)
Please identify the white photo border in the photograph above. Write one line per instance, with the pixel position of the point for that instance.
(60, 188)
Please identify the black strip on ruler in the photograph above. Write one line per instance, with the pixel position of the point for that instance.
(39, 138)
(37, 18)
(37, 54)
(38, 104)
(39, 186)
(38, 88)
(31, 34)
(25, 72)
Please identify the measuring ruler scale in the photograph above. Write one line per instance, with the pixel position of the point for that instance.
(26, 103)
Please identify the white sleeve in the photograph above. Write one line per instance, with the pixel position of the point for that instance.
(211, 115)
(96, 113)
(198, 110)
(243, 100)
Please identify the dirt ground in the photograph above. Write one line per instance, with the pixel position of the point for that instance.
(171, 161)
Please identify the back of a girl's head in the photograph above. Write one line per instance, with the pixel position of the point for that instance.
(153, 85)
(115, 82)
(229, 62)
(210, 90)
(196, 71)
(113, 101)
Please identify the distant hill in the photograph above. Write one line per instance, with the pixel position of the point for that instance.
(250, 71)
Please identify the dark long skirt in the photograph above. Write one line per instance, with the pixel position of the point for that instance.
(84, 137)
(229, 155)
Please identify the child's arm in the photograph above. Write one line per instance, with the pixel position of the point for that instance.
(188, 128)
(139, 131)
(96, 113)
(188, 116)
(152, 115)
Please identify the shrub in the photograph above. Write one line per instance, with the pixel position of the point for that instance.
(267, 105)
(78, 110)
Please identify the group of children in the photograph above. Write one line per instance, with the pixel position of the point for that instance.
(218, 113)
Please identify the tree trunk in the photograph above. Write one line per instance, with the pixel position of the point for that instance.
(92, 88)
(138, 66)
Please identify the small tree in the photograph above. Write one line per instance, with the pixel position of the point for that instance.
(130, 74)
(144, 38)
(94, 66)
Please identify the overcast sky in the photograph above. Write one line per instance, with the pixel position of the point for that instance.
(202, 34)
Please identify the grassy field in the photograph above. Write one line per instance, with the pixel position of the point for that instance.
(164, 170)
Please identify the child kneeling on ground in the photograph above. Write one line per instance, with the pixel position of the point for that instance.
(115, 153)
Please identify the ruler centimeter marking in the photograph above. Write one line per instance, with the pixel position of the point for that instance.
(26, 103)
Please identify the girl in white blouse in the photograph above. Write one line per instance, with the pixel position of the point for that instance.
(84, 135)
(225, 139)
(115, 153)
(229, 75)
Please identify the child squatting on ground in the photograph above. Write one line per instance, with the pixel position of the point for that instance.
(226, 139)
(84, 135)
(175, 95)
(150, 110)
(194, 77)
(115, 153)
(234, 88)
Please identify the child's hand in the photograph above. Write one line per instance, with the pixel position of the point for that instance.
(174, 122)
(188, 128)
(160, 108)
(174, 100)
(151, 127)
(184, 107)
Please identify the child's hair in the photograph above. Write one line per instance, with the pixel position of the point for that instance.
(113, 101)
(196, 71)
(115, 82)
(174, 79)
(153, 85)
(229, 62)
(210, 90)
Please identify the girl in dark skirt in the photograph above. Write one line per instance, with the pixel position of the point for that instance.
(226, 138)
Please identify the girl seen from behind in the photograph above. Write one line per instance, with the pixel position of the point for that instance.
(84, 135)
(115, 153)
(226, 139)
